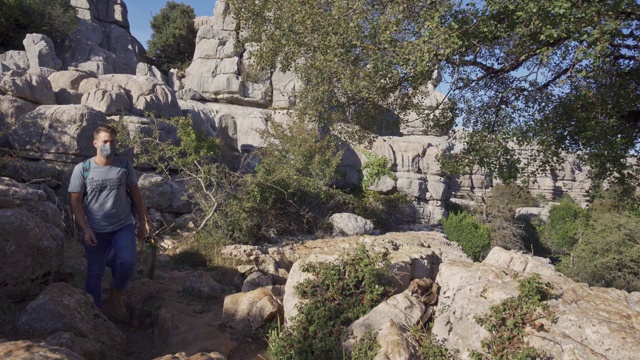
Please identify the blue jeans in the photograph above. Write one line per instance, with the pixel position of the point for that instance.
(116, 249)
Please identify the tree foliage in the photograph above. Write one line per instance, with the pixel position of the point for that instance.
(173, 40)
(562, 74)
(54, 18)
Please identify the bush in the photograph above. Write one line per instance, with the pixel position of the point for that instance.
(336, 296)
(374, 169)
(566, 223)
(54, 18)
(173, 40)
(506, 198)
(465, 230)
(608, 253)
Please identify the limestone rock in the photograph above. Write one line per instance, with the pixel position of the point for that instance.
(201, 284)
(107, 101)
(11, 108)
(285, 87)
(402, 309)
(142, 298)
(252, 310)
(204, 118)
(531, 212)
(198, 356)
(396, 343)
(63, 308)
(346, 224)
(27, 350)
(385, 185)
(64, 132)
(147, 95)
(86, 348)
(66, 84)
(15, 60)
(256, 280)
(587, 322)
(31, 247)
(412, 184)
(33, 88)
(144, 69)
(156, 191)
(41, 52)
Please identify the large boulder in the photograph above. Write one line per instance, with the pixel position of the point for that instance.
(58, 132)
(27, 350)
(41, 52)
(14, 60)
(67, 83)
(32, 243)
(345, 224)
(594, 323)
(203, 117)
(33, 88)
(249, 311)
(11, 108)
(146, 94)
(107, 101)
(63, 308)
(200, 284)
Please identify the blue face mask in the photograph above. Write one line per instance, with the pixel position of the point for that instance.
(107, 150)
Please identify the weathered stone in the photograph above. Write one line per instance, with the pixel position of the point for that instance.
(249, 311)
(396, 343)
(345, 224)
(63, 308)
(86, 348)
(41, 52)
(285, 87)
(156, 191)
(68, 79)
(107, 101)
(198, 356)
(147, 95)
(587, 323)
(256, 280)
(403, 309)
(142, 299)
(531, 212)
(63, 132)
(385, 185)
(11, 108)
(200, 283)
(203, 117)
(437, 188)
(33, 88)
(27, 350)
(31, 247)
(412, 185)
(15, 60)
(148, 70)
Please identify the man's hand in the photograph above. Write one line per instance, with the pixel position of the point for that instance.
(144, 231)
(89, 238)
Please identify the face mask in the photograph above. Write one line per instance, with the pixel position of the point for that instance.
(107, 150)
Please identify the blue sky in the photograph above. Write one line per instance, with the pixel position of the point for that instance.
(141, 12)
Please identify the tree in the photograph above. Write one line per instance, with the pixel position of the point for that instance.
(173, 40)
(563, 74)
(56, 19)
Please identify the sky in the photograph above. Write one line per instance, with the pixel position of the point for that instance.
(141, 12)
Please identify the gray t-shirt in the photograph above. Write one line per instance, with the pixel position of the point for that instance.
(106, 202)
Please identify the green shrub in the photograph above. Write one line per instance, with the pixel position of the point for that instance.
(507, 321)
(173, 40)
(566, 223)
(608, 253)
(506, 198)
(54, 18)
(337, 295)
(374, 169)
(465, 230)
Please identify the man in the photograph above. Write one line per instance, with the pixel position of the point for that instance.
(102, 189)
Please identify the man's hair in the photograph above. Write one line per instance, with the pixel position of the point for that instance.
(106, 129)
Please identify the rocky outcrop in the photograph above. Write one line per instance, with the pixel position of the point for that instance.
(30, 87)
(27, 350)
(11, 108)
(102, 43)
(345, 224)
(249, 311)
(57, 132)
(32, 241)
(588, 324)
(41, 52)
(63, 308)
(202, 285)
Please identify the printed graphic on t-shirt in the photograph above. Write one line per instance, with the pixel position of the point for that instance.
(101, 185)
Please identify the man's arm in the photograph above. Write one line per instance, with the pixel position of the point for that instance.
(88, 237)
(144, 226)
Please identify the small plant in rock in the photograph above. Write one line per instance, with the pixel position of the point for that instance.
(473, 236)
(337, 295)
(374, 169)
(507, 321)
(366, 348)
(430, 349)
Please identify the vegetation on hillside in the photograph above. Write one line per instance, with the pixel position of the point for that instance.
(54, 18)
(566, 78)
(173, 40)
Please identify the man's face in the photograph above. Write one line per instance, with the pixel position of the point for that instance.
(104, 138)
